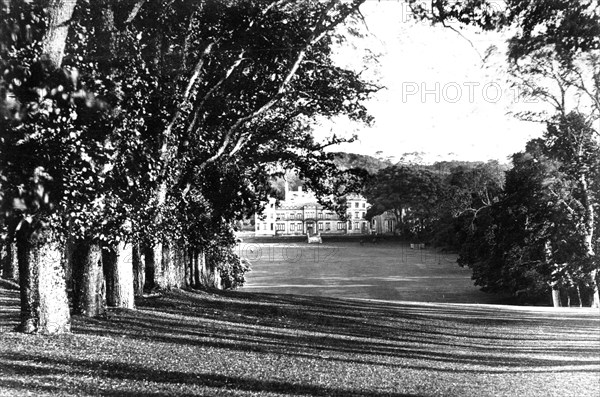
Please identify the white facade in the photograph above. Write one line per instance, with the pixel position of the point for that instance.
(301, 214)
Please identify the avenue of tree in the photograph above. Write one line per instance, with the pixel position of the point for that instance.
(135, 133)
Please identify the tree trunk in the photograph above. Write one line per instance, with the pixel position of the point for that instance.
(88, 288)
(171, 273)
(209, 275)
(187, 274)
(579, 296)
(139, 269)
(199, 259)
(152, 257)
(44, 303)
(556, 302)
(180, 266)
(10, 263)
(588, 239)
(192, 266)
(161, 263)
(118, 272)
(595, 291)
(167, 267)
(55, 37)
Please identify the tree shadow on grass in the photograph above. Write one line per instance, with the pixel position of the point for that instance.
(17, 365)
(381, 319)
(326, 329)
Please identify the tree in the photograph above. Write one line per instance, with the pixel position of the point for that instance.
(552, 42)
(194, 96)
(568, 28)
(412, 194)
(469, 190)
(44, 306)
(535, 239)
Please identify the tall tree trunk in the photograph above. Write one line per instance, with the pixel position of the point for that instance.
(198, 259)
(10, 263)
(88, 288)
(118, 272)
(589, 236)
(209, 274)
(189, 268)
(556, 302)
(152, 257)
(170, 272)
(554, 283)
(139, 269)
(44, 303)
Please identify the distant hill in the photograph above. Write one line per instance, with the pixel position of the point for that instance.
(342, 160)
(352, 160)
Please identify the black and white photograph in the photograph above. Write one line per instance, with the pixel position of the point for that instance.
(376, 198)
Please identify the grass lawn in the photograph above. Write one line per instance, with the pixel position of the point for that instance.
(256, 344)
(387, 271)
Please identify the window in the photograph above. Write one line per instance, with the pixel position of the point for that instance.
(328, 215)
(356, 225)
(271, 226)
(356, 205)
(364, 205)
(327, 226)
(341, 226)
(363, 214)
(320, 215)
(320, 225)
(281, 226)
(356, 215)
(258, 226)
(349, 225)
(292, 227)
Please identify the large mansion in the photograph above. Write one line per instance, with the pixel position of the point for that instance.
(300, 214)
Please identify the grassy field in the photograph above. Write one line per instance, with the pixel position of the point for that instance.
(251, 344)
(386, 271)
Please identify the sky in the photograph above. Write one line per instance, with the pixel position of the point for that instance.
(440, 97)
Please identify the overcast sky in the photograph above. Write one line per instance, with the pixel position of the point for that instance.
(441, 98)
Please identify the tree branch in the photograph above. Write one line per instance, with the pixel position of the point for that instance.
(164, 150)
(283, 87)
(134, 11)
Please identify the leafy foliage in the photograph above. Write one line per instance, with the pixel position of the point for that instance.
(538, 234)
(412, 193)
(167, 121)
(564, 27)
